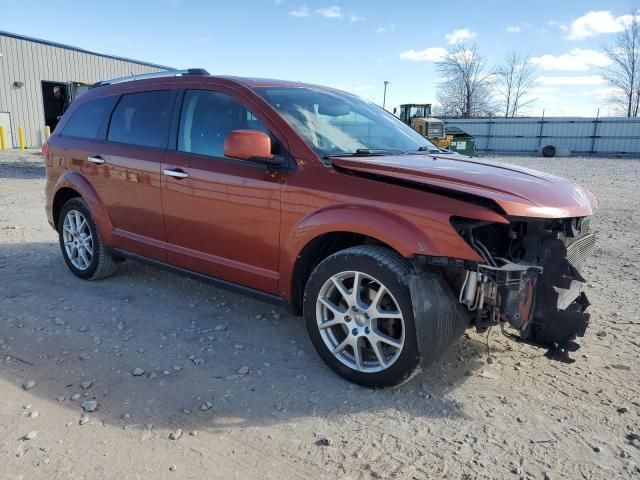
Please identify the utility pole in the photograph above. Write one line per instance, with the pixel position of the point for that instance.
(384, 98)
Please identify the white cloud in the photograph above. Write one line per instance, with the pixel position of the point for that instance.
(513, 29)
(330, 12)
(601, 94)
(356, 18)
(382, 28)
(578, 59)
(543, 90)
(433, 54)
(571, 80)
(597, 22)
(459, 35)
(561, 26)
(300, 12)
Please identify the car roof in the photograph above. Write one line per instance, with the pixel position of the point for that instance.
(247, 82)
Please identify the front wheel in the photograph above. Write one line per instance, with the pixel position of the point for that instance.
(359, 315)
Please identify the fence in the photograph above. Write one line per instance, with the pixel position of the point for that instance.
(591, 136)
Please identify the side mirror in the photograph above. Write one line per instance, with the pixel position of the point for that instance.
(394, 110)
(249, 145)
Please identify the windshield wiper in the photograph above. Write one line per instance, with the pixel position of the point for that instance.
(365, 152)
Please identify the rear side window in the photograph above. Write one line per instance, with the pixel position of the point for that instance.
(142, 119)
(89, 117)
(207, 118)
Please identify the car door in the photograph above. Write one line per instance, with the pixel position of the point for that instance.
(222, 216)
(126, 170)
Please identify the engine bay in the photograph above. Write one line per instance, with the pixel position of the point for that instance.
(531, 277)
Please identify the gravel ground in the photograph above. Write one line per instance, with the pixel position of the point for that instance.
(183, 380)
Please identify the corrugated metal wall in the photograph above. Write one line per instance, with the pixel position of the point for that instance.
(31, 62)
(595, 136)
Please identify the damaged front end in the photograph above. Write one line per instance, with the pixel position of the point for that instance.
(531, 277)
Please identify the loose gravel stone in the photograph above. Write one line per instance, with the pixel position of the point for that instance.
(176, 435)
(30, 436)
(323, 442)
(90, 405)
(137, 372)
(243, 370)
(84, 419)
(29, 385)
(86, 384)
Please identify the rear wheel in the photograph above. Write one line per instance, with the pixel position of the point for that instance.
(359, 315)
(82, 248)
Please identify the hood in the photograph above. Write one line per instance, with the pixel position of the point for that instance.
(519, 191)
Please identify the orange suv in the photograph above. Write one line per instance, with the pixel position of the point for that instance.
(315, 198)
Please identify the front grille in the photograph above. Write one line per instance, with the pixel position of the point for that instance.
(581, 249)
(586, 225)
(577, 253)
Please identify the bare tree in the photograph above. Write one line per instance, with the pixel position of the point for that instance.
(465, 90)
(515, 80)
(623, 75)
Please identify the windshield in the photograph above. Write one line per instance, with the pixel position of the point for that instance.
(335, 123)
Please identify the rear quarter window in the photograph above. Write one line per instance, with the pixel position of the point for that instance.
(86, 121)
(142, 119)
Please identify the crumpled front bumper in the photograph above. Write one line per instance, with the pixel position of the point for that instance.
(545, 302)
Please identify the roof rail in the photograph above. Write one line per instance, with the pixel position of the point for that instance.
(167, 73)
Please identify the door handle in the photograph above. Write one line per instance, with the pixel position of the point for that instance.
(175, 172)
(96, 159)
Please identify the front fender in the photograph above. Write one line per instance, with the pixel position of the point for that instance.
(76, 181)
(385, 226)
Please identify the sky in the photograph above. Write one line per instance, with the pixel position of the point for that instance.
(354, 45)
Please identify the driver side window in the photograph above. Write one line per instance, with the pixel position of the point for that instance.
(207, 118)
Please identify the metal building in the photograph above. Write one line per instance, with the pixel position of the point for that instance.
(38, 79)
(617, 136)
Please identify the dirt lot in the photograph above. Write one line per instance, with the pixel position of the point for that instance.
(524, 416)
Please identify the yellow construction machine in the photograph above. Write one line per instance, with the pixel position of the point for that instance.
(418, 116)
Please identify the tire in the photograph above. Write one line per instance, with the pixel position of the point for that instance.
(100, 263)
(377, 267)
(549, 151)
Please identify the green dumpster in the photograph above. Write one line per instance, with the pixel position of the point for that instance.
(462, 143)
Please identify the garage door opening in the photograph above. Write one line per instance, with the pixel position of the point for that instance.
(55, 98)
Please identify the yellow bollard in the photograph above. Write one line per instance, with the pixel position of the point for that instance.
(21, 137)
(3, 144)
(47, 132)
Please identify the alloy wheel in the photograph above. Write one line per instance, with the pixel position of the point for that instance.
(360, 321)
(77, 238)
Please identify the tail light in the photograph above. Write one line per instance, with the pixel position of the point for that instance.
(45, 150)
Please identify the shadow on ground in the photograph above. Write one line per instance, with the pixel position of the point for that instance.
(144, 317)
(26, 168)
